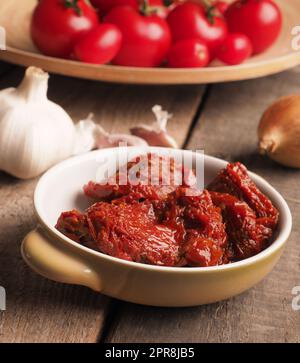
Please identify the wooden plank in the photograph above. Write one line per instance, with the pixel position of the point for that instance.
(264, 313)
(119, 107)
(39, 310)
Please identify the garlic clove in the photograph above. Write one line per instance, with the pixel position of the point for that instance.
(104, 139)
(84, 135)
(90, 135)
(114, 140)
(156, 134)
(279, 131)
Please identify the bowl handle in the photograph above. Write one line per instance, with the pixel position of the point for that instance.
(50, 259)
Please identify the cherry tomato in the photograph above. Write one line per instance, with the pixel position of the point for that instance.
(235, 49)
(260, 20)
(146, 39)
(100, 45)
(190, 20)
(222, 6)
(105, 6)
(188, 53)
(57, 25)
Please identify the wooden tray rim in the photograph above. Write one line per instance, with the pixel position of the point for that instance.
(135, 75)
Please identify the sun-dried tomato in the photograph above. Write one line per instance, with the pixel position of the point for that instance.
(236, 181)
(246, 235)
(74, 225)
(200, 227)
(201, 251)
(148, 176)
(131, 232)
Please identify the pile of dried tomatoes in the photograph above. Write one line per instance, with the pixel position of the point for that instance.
(174, 224)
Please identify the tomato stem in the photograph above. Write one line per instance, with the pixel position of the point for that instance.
(143, 5)
(73, 4)
(211, 10)
(147, 9)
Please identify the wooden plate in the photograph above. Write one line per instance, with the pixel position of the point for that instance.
(15, 18)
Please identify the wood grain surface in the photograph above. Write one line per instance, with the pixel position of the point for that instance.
(221, 119)
(227, 129)
(39, 310)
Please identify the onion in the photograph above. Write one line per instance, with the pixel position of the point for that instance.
(279, 131)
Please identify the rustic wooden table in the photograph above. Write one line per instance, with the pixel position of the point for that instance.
(222, 120)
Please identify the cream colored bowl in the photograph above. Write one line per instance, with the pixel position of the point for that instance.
(56, 257)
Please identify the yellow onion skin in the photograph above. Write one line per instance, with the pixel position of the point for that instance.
(279, 131)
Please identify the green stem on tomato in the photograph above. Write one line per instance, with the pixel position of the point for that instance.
(144, 6)
(211, 10)
(146, 9)
(73, 4)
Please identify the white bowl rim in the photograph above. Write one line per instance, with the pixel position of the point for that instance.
(280, 240)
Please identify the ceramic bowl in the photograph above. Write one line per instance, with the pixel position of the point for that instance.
(56, 257)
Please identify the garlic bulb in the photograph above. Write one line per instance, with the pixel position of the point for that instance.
(35, 133)
(156, 134)
(279, 131)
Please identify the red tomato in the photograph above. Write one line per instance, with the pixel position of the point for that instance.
(190, 20)
(235, 49)
(106, 5)
(100, 45)
(146, 39)
(56, 25)
(188, 53)
(260, 20)
(222, 6)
